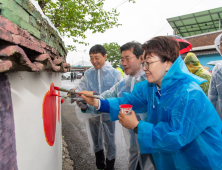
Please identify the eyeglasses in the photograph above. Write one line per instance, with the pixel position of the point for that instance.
(147, 64)
(121, 61)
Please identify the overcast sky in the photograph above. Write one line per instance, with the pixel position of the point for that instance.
(140, 22)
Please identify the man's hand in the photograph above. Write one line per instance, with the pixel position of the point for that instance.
(70, 94)
(128, 121)
(95, 93)
(78, 99)
(82, 105)
(89, 100)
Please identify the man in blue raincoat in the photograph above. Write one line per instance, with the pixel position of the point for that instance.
(101, 77)
(182, 129)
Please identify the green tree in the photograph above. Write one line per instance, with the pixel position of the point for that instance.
(73, 18)
(113, 53)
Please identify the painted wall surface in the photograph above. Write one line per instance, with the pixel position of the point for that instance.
(33, 152)
(204, 59)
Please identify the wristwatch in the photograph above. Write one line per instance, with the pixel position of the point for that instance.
(136, 130)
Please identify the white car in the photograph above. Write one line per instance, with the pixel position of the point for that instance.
(66, 76)
(79, 75)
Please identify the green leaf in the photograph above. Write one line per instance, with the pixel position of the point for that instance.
(73, 18)
(113, 53)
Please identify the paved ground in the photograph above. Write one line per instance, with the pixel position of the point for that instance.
(67, 163)
(74, 133)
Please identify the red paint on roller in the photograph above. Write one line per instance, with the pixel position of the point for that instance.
(49, 115)
(59, 106)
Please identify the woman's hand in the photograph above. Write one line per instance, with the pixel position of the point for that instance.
(89, 100)
(128, 121)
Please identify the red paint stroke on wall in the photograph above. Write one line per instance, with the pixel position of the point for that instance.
(49, 115)
(59, 106)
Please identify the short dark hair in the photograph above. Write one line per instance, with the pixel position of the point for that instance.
(166, 47)
(136, 46)
(97, 49)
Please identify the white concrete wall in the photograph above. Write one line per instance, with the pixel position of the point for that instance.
(33, 152)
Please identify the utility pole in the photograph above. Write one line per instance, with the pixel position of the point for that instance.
(219, 23)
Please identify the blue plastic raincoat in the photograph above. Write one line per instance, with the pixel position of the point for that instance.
(182, 130)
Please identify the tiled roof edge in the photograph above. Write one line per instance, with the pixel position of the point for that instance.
(13, 58)
(203, 48)
(207, 33)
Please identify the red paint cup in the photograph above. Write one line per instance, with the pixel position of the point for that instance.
(126, 109)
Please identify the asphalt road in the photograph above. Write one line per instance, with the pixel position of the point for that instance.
(75, 135)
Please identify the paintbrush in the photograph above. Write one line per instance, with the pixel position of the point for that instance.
(54, 94)
(77, 99)
(72, 92)
(62, 100)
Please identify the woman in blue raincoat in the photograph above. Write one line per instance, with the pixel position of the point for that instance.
(182, 130)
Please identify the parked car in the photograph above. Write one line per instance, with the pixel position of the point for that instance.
(66, 76)
(79, 76)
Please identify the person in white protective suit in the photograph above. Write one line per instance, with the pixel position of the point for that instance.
(130, 60)
(101, 77)
(215, 89)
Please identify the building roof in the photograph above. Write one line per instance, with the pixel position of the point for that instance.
(196, 23)
(201, 52)
(205, 39)
(206, 52)
(209, 47)
(83, 64)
